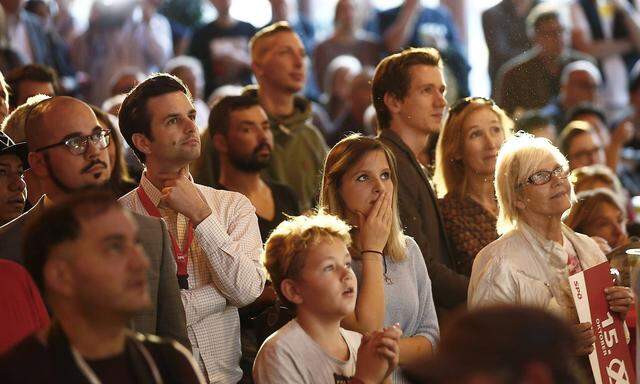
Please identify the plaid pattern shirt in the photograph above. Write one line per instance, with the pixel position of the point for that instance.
(224, 273)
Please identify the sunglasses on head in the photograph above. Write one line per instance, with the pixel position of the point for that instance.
(462, 103)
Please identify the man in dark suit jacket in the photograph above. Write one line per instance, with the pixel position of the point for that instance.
(408, 94)
(68, 152)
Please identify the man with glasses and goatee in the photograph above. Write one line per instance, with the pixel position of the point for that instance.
(68, 152)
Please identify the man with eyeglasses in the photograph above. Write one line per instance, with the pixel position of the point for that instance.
(68, 153)
(581, 145)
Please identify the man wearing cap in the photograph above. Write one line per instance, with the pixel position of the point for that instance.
(13, 190)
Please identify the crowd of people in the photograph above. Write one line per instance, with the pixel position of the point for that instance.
(247, 204)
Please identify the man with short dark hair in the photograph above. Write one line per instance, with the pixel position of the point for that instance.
(408, 93)
(532, 79)
(242, 137)
(278, 63)
(85, 256)
(214, 233)
(30, 80)
(67, 153)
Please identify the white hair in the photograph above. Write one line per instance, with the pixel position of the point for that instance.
(581, 66)
(519, 157)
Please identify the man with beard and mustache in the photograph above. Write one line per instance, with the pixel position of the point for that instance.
(241, 135)
(214, 233)
(68, 153)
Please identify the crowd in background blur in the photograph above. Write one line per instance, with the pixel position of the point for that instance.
(418, 197)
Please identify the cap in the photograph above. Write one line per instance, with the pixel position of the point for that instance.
(8, 147)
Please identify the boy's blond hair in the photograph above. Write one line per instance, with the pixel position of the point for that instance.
(286, 248)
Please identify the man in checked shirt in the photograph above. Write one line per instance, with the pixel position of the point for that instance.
(215, 234)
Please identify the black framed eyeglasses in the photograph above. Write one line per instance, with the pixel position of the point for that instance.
(462, 103)
(544, 176)
(78, 145)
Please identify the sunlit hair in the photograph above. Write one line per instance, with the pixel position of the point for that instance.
(13, 124)
(450, 175)
(256, 45)
(344, 155)
(286, 248)
(588, 206)
(583, 178)
(519, 157)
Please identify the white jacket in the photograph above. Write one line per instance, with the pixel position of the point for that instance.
(522, 267)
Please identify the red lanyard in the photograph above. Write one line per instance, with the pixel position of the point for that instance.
(181, 255)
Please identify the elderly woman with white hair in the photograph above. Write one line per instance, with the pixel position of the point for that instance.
(532, 260)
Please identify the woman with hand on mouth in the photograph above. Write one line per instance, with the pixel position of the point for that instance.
(465, 164)
(359, 186)
(531, 262)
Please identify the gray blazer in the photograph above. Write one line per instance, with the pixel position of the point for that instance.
(166, 317)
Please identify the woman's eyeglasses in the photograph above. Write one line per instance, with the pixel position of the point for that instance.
(544, 176)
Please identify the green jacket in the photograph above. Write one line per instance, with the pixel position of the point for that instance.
(299, 151)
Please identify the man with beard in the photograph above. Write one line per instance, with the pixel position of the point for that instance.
(68, 153)
(215, 233)
(241, 135)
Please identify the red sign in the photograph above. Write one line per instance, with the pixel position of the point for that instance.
(610, 359)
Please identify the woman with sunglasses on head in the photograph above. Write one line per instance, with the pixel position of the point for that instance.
(465, 163)
(359, 186)
(531, 262)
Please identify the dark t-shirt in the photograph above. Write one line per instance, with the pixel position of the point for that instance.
(113, 370)
(213, 38)
(31, 362)
(284, 201)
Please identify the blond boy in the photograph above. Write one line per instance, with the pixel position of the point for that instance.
(308, 261)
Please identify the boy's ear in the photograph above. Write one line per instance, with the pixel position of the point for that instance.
(290, 291)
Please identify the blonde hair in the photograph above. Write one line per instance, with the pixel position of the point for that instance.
(582, 176)
(450, 176)
(519, 157)
(286, 248)
(14, 124)
(587, 205)
(340, 159)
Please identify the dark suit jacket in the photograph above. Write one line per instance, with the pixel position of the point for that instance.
(166, 317)
(422, 220)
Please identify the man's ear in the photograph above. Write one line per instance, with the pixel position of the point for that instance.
(57, 276)
(142, 143)
(220, 143)
(38, 164)
(392, 103)
(290, 291)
